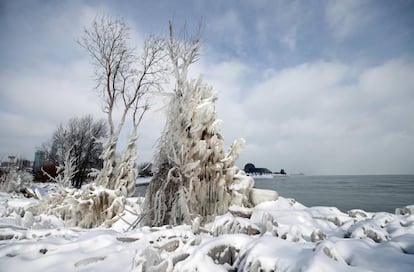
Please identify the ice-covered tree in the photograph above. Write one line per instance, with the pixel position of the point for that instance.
(123, 78)
(193, 176)
(127, 171)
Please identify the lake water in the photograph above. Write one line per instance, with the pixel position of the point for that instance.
(370, 193)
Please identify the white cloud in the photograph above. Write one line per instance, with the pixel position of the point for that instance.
(321, 117)
(34, 105)
(49, 79)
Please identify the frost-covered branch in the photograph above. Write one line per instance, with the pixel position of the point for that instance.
(65, 172)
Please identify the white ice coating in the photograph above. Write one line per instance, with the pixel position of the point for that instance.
(193, 174)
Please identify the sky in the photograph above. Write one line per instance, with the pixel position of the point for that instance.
(318, 87)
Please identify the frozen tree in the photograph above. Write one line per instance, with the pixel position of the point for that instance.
(123, 79)
(193, 175)
(79, 140)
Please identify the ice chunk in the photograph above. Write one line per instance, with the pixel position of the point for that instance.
(258, 196)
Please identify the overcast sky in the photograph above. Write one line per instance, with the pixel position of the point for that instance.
(320, 87)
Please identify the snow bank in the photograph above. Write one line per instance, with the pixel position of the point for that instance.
(280, 235)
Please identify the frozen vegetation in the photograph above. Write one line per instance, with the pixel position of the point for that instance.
(195, 179)
(279, 235)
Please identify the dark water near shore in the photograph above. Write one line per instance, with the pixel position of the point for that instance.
(371, 193)
(379, 193)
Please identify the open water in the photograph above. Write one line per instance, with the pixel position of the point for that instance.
(374, 193)
(379, 193)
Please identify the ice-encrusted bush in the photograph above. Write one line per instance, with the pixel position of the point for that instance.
(92, 206)
(96, 204)
(65, 171)
(16, 182)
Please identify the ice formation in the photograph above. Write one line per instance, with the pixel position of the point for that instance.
(65, 172)
(15, 181)
(126, 171)
(193, 175)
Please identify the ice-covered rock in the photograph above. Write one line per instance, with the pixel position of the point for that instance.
(405, 210)
(240, 211)
(258, 196)
(228, 223)
(357, 213)
(368, 229)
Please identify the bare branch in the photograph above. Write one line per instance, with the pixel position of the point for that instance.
(123, 77)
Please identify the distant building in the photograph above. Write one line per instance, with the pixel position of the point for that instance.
(11, 163)
(39, 160)
(25, 164)
(15, 163)
(250, 169)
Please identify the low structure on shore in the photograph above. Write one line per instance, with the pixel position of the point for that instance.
(251, 169)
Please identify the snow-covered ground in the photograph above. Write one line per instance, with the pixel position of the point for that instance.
(280, 235)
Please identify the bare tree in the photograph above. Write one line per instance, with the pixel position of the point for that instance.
(77, 141)
(123, 79)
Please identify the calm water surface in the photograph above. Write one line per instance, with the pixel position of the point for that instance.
(370, 193)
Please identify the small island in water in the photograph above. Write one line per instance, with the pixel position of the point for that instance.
(252, 170)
